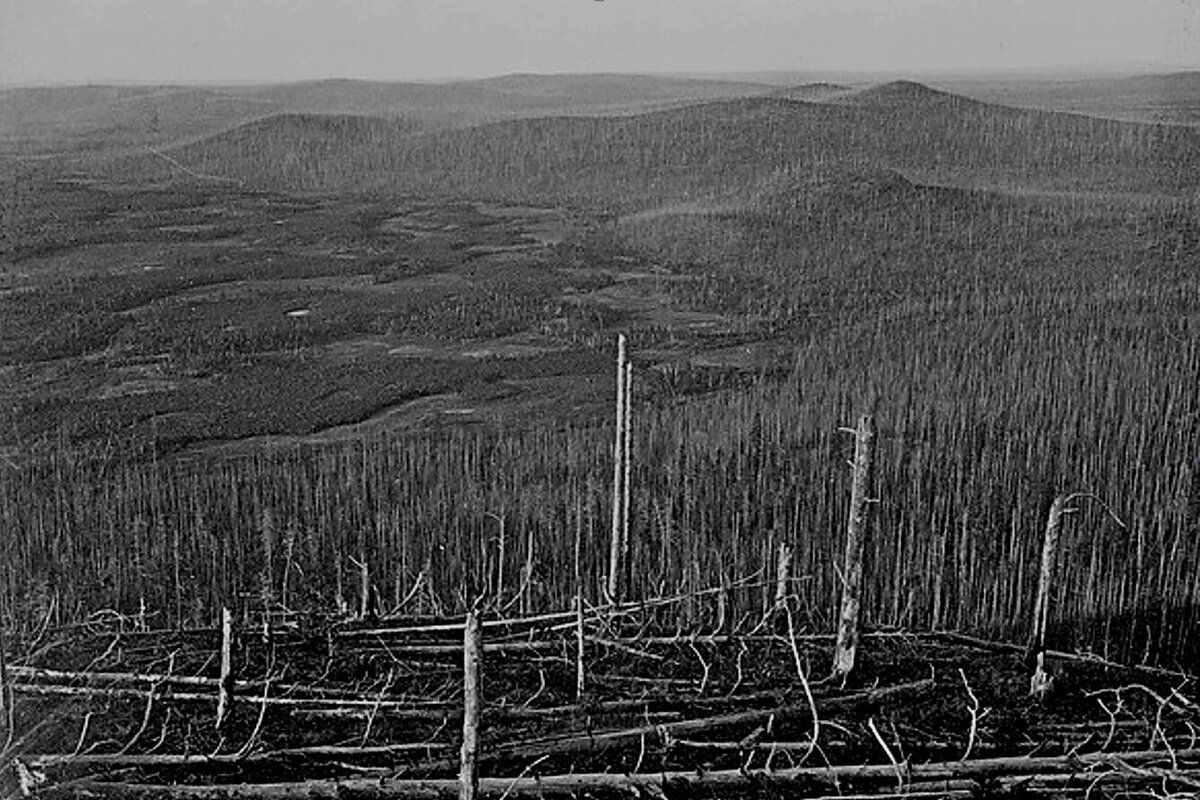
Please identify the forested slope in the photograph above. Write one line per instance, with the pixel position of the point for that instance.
(706, 150)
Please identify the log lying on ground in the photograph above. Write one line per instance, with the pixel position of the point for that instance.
(455, 650)
(95, 680)
(315, 705)
(602, 740)
(60, 676)
(490, 715)
(367, 789)
(320, 752)
(406, 629)
(1059, 655)
(951, 778)
(658, 706)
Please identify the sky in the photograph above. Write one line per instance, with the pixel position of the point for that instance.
(74, 41)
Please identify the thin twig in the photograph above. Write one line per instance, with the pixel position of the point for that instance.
(888, 751)
(812, 703)
(973, 709)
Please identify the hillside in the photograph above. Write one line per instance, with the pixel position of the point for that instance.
(204, 347)
(705, 150)
(577, 159)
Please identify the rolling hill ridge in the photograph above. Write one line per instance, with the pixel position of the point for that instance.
(91, 118)
(710, 149)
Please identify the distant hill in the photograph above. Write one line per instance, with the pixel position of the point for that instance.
(470, 102)
(704, 150)
(289, 151)
(570, 158)
(114, 119)
(105, 117)
(812, 91)
(905, 96)
(376, 97)
(459, 103)
(616, 90)
(1167, 98)
(1187, 79)
(26, 106)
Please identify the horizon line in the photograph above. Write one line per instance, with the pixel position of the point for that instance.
(1098, 70)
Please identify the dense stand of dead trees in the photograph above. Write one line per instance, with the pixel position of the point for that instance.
(952, 779)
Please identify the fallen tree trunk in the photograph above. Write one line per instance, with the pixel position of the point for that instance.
(602, 740)
(1060, 655)
(659, 707)
(449, 715)
(455, 650)
(42, 760)
(316, 706)
(56, 677)
(375, 789)
(923, 780)
(408, 630)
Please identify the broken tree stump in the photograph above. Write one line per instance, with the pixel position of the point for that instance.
(1039, 681)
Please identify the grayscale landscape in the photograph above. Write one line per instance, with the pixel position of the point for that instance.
(793, 433)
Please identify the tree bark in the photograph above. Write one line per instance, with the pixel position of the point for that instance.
(926, 780)
(468, 777)
(1036, 652)
(617, 546)
(225, 688)
(846, 648)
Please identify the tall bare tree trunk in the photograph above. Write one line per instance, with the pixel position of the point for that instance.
(618, 517)
(364, 588)
(468, 778)
(627, 452)
(580, 653)
(7, 711)
(225, 689)
(856, 537)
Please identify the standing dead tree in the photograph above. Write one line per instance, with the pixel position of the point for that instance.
(468, 787)
(856, 535)
(7, 711)
(580, 654)
(621, 446)
(1040, 682)
(226, 685)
